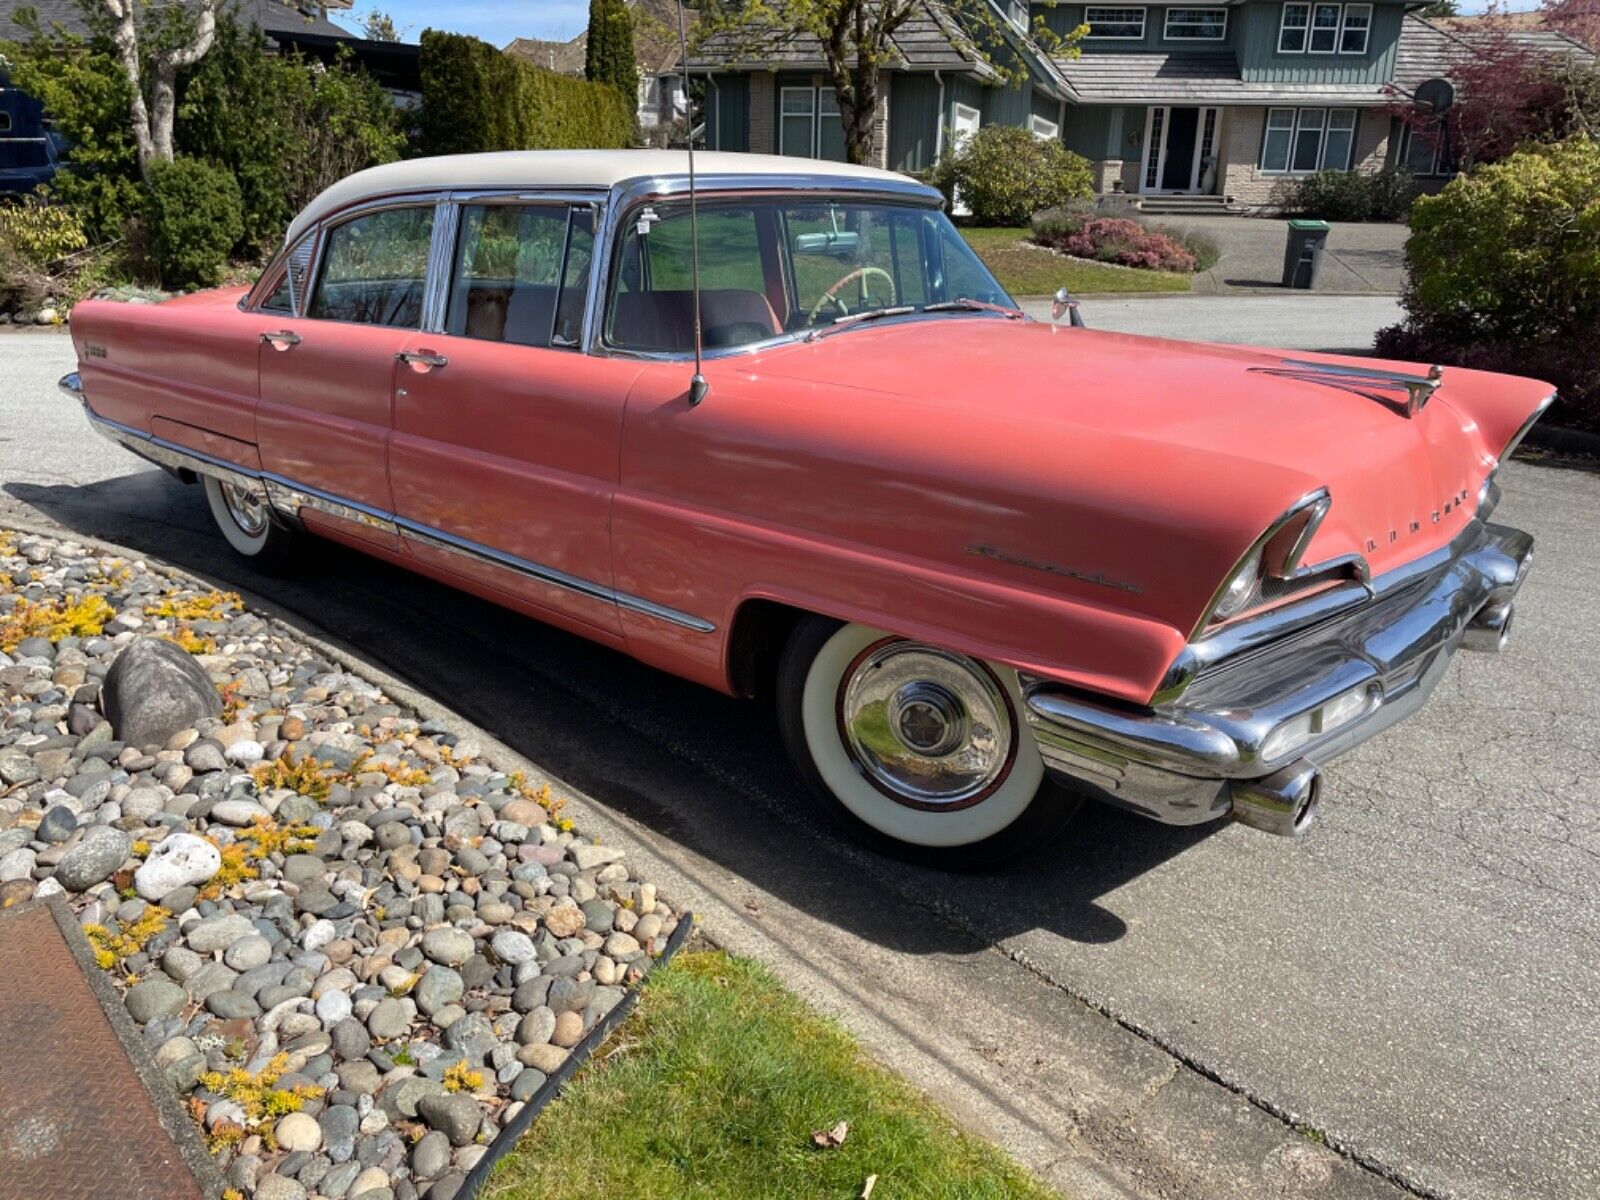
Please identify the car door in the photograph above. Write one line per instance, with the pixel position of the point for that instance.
(503, 457)
(327, 375)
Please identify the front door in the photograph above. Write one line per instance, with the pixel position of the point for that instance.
(503, 458)
(1179, 144)
(327, 377)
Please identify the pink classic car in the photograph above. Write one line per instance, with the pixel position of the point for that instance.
(983, 565)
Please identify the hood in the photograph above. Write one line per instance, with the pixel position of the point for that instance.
(1400, 485)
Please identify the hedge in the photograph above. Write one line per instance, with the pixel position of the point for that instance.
(476, 98)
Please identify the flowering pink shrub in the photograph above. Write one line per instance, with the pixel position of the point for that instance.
(1119, 240)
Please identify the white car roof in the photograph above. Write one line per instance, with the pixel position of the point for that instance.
(601, 169)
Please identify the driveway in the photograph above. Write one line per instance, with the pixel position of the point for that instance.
(1359, 257)
(1402, 1003)
(1292, 320)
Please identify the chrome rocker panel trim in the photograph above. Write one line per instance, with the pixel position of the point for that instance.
(1192, 760)
(287, 498)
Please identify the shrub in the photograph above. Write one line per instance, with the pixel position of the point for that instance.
(194, 216)
(1119, 240)
(1348, 195)
(42, 233)
(1504, 271)
(285, 126)
(1005, 175)
(1205, 250)
(476, 98)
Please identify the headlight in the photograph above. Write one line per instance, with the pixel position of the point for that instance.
(1240, 590)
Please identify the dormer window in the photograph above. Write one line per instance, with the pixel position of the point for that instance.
(1017, 11)
(1115, 24)
(1322, 28)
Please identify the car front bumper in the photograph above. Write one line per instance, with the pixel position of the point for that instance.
(1249, 731)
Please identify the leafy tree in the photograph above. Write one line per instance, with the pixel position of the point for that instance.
(194, 216)
(286, 127)
(856, 38)
(1578, 19)
(608, 53)
(172, 39)
(378, 26)
(1440, 8)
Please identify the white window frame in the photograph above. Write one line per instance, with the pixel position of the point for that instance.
(1325, 116)
(785, 117)
(1304, 7)
(1088, 19)
(1017, 13)
(1314, 29)
(1365, 30)
(1043, 128)
(1168, 35)
(1437, 158)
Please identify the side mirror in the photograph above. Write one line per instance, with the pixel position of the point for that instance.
(1065, 306)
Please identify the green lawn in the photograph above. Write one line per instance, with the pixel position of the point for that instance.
(712, 1090)
(1030, 271)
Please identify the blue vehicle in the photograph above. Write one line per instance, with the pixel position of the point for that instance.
(30, 152)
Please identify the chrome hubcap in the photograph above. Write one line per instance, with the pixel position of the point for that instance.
(928, 728)
(246, 509)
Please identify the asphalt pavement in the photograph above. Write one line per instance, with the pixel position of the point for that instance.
(1404, 1002)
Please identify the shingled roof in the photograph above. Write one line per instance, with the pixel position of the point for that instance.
(273, 16)
(928, 40)
(1430, 49)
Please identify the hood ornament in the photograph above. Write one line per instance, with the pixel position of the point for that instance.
(1375, 383)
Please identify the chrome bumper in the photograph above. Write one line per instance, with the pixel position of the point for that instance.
(1248, 734)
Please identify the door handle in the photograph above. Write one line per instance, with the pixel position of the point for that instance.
(282, 339)
(422, 359)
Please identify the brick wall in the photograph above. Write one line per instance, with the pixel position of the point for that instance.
(880, 126)
(763, 101)
(1241, 149)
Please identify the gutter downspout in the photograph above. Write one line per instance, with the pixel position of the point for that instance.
(938, 132)
(716, 95)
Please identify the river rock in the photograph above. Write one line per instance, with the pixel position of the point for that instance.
(176, 861)
(92, 860)
(154, 689)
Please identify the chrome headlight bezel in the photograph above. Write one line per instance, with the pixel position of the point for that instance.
(1277, 553)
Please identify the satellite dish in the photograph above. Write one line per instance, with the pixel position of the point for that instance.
(1437, 95)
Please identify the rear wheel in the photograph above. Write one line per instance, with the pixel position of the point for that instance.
(916, 749)
(246, 521)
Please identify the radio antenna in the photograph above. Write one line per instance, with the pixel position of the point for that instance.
(698, 387)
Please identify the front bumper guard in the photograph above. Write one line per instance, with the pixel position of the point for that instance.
(1221, 748)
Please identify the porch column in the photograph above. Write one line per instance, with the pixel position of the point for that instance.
(763, 96)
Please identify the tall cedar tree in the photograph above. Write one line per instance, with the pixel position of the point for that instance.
(608, 57)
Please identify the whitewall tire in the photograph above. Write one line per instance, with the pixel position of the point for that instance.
(246, 521)
(921, 750)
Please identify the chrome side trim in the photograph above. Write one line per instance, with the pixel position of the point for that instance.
(572, 583)
(72, 384)
(441, 258)
(288, 497)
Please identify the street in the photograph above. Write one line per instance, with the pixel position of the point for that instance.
(1404, 1002)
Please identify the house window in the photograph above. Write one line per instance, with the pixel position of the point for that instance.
(1423, 151)
(1301, 140)
(1115, 24)
(1017, 11)
(5, 122)
(1353, 33)
(797, 128)
(810, 124)
(1043, 129)
(1292, 33)
(1324, 28)
(1196, 24)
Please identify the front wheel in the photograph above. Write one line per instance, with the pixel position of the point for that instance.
(246, 522)
(919, 750)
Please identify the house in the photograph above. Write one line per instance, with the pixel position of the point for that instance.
(1203, 106)
(30, 149)
(655, 48)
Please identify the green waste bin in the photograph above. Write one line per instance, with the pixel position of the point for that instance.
(1302, 256)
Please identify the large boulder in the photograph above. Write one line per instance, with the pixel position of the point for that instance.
(154, 690)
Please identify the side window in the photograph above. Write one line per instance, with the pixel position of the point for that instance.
(849, 259)
(965, 277)
(652, 305)
(291, 285)
(373, 269)
(281, 299)
(519, 276)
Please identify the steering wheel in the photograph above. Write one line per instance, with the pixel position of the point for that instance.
(831, 296)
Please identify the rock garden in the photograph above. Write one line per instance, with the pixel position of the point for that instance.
(353, 945)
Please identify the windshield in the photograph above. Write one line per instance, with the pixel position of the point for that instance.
(774, 266)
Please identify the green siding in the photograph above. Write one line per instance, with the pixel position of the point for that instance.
(732, 128)
(913, 122)
(1260, 62)
(1099, 132)
(1064, 18)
